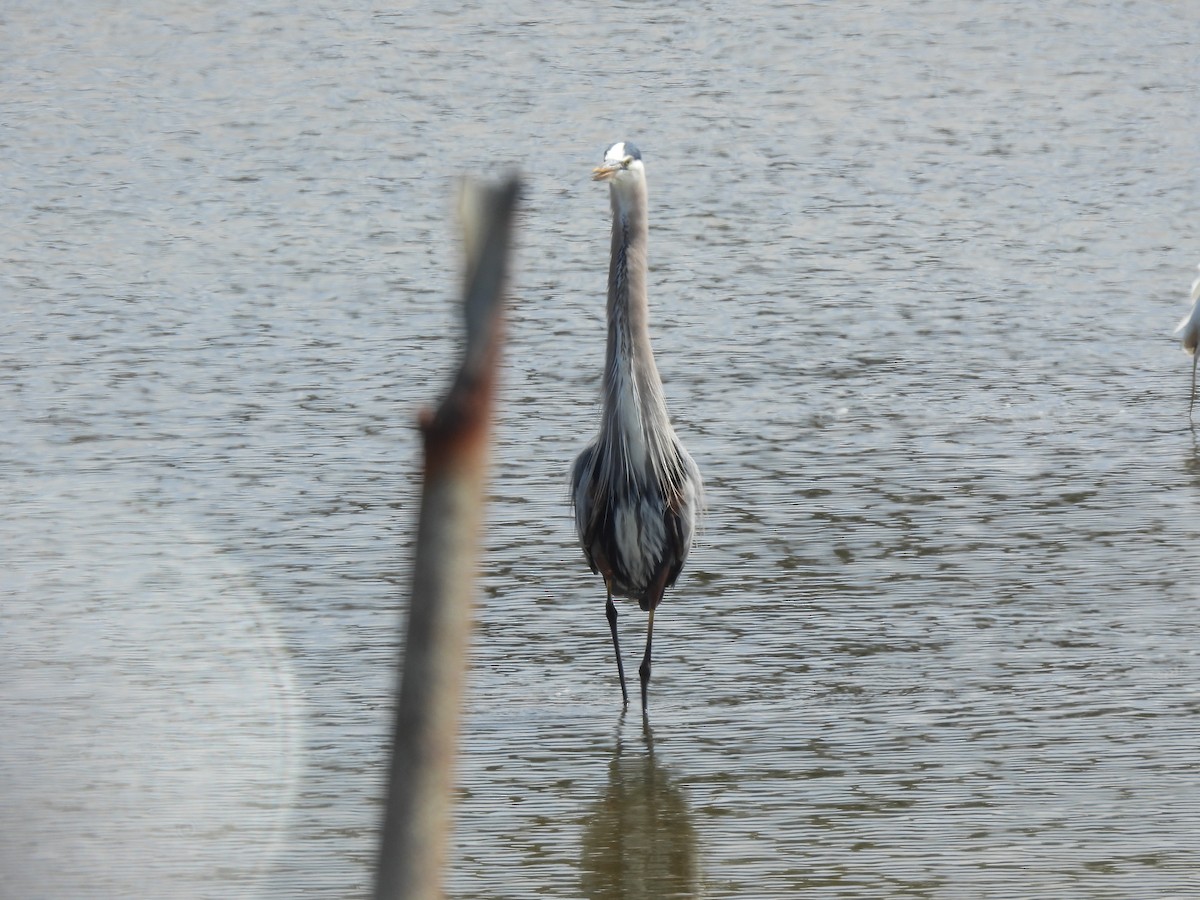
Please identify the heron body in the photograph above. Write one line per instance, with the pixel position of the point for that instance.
(1189, 328)
(635, 489)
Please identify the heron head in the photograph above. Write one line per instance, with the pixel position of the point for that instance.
(621, 161)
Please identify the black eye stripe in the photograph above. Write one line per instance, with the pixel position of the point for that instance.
(631, 153)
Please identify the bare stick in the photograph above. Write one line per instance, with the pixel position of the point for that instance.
(417, 818)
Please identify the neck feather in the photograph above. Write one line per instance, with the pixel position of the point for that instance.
(634, 400)
(628, 325)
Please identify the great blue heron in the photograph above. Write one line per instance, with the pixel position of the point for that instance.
(635, 490)
(1190, 326)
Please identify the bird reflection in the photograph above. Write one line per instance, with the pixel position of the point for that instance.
(1191, 460)
(639, 841)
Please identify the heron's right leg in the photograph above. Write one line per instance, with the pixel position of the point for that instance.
(611, 612)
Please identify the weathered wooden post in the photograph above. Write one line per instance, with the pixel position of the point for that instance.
(456, 435)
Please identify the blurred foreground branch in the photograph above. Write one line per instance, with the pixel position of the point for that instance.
(417, 818)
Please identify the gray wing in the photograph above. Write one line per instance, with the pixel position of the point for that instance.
(681, 514)
(582, 499)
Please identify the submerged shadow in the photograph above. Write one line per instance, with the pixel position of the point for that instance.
(639, 841)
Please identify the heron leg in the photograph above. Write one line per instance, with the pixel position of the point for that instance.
(644, 669)
(610, 611)
(1192, 402)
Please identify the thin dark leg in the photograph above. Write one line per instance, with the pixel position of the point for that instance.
(611, 612)
(644, 669)
(1192, 402)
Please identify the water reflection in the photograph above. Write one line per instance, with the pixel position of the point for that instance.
(639, 840)
(1191, 462)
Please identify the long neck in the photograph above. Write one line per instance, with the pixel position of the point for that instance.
(633, 390)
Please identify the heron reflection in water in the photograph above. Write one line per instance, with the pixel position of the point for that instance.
(635, 490)
(639, 839)
(1190, 328)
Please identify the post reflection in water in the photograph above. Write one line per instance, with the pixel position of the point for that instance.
(639, 840)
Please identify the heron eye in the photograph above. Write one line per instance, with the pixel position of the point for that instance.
(626, 161)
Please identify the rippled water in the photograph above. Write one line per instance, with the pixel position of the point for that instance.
(914, 276)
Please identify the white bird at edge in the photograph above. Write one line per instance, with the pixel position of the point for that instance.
(1189, 326)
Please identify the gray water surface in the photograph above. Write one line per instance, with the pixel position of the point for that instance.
(914, 272)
